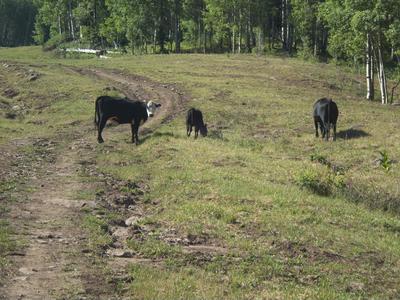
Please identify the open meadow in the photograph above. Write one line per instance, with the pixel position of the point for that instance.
(258, 209)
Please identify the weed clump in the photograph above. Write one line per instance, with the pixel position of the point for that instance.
(384, 161)
(321, 182)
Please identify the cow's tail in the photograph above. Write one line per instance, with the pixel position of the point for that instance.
(96, 114)
(329, 114)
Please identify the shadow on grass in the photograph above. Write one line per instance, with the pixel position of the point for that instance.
(352, 133)
(149, 134)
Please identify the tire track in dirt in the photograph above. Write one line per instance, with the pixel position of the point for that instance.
(140, 88)
(52, 264)
(173, 103)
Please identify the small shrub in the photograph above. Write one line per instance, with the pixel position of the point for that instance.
(54, 42)
(311, 180)
(324, 183)
(321, 159)
(216, 134)
(384, 161)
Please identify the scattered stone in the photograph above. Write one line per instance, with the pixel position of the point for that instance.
(46, 236)
(32, 75)
(10, 93)
(25, 271)
(125, 200)
(355, 287)
(11, 115)
(121, 278)
(120, 253)
(131, 221)
(118, 222)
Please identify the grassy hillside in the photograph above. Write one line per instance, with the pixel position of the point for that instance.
(268, 210)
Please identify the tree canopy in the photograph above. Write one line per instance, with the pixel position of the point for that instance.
(362, 31)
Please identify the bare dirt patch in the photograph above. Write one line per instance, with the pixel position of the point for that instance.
(56, 262)
(140, 88)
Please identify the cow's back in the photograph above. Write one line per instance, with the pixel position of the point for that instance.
(123, 110)
(194, 117)
(326, 110)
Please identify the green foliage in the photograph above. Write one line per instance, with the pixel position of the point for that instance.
(98, 233)
(323, 183)
(384, 160)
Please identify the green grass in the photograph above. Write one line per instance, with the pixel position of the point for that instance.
(239, 189)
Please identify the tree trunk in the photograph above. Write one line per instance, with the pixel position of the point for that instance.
(381, 74)
(369, 70)
(233, 39)
(284, 25)
(71, 20)
(204, 41)
(154, 41)
(59, 25)
(177, 28)
(315, 39)
(248, 33)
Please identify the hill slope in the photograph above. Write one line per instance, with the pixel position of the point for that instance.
(236, 215)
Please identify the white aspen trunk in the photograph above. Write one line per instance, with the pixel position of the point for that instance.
(71, 22)
(369, 70)
(199, 25)
(382, 76)
(154, 41)
(240, 31)
(316, 39)
(239, 41)
(59, 25)
(288, 27)
(233, 39)
(204, 41)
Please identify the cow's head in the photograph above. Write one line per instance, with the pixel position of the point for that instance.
(203, 130)
(151, 108)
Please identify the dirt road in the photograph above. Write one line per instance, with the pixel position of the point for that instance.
(55, 262)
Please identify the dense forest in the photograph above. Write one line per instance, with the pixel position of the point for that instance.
(357, 31)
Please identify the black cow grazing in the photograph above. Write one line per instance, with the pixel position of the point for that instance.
(122, 111)
(194, 118)
(325, 114)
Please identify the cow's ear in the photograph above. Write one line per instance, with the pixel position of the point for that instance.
(158, 104)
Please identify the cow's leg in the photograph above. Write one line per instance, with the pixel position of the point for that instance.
(322, 128)
(102, 124)
(316, 127)
(334, 132)
(327, 129)
(135, 130)
(196, 132)
(189, 129)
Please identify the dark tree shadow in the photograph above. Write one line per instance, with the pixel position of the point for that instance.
(351, 133)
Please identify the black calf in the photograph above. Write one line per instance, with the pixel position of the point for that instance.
(194, 118)
(325, 114)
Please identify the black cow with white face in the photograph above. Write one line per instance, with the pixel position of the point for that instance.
(122, 111)
(325, 115)
(194, 118)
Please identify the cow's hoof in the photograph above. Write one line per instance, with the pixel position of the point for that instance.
(100, 141)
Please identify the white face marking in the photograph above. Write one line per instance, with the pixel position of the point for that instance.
(151, 108)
